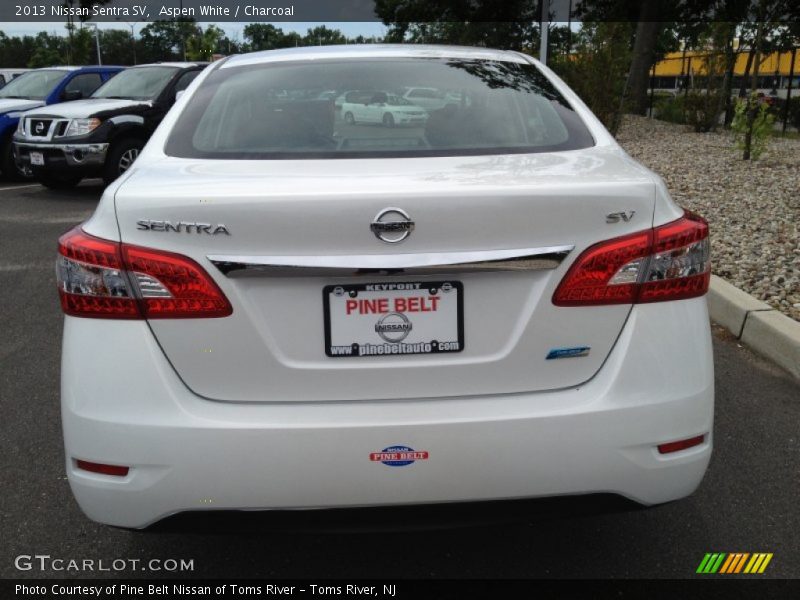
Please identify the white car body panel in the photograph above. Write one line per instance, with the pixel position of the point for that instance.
(191, 454)
(247, 411)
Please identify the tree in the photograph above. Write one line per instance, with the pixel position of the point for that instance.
(166, 40)
(117, 47)
(322, 36)
(598, 69)
(16, 51)
(75, 54)
(203, 45)
(50, 50)
(771, 33)
(292, 40)
(644, 49)
(509, 24)
(263, 36)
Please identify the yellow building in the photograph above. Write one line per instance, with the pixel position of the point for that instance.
(774, 70)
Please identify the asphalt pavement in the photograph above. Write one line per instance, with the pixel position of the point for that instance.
(748, 501)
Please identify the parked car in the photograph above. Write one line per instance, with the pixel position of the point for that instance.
(381, 107)
(431, 98)
(6, 75)
(102, 135)
(276, 310)
(41, 87)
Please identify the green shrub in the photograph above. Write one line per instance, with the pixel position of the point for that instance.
(762, 125)
(670, 109)
(794, 109)
(700, 110)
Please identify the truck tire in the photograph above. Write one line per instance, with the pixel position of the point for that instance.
(8, 166)
(121, 157)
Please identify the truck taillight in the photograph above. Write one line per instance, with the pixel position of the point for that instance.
(104, 279)
(670, 262)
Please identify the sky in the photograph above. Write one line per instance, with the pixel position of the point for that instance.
(233, 30)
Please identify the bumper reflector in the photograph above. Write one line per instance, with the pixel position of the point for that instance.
(118, 471)
(680, 445)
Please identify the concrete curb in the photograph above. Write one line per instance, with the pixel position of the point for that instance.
(762, 328)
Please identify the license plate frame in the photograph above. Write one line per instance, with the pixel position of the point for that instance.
(414, 346)
(37, 159)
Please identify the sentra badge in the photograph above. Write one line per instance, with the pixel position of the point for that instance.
(182, 227)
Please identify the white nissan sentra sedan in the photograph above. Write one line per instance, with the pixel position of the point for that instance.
(276, 309)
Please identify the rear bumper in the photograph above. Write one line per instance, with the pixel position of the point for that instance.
(123, 404)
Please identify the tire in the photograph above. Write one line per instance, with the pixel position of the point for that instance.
(349, 118)
(8, 165)
(59, 182)
(122, 155)
(388, 120)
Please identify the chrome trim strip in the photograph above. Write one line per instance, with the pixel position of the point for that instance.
(521, 259)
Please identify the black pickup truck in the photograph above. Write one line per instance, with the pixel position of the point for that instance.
(101, 136)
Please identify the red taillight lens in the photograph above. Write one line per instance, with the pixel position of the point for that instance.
(173, 286)
(91, 280)
(670, 447)
(104, 279)
(680, 265)
(115, 470)
(670, 262)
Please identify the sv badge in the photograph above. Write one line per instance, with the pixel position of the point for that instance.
(616, 217)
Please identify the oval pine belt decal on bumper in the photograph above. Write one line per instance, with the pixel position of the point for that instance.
(398, 456)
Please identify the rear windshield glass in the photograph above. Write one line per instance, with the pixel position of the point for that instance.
(375, 108)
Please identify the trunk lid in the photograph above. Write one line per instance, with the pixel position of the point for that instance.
(272, 348)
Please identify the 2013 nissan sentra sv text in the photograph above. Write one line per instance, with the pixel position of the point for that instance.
(490, 300)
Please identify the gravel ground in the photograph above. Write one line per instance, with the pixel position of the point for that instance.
(753, 207)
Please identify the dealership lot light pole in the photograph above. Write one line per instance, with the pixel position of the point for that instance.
(96, 41)
(544, 23)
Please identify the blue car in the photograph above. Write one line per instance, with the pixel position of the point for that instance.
(40, 87)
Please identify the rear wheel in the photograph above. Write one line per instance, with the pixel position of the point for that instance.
(388, 120)
(59, 182)
(349, 118)
(122, 156)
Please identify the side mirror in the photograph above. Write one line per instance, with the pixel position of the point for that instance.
(71, 95)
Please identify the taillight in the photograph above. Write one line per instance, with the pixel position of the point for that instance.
(91, 279)
(105, 279)
(670, 262)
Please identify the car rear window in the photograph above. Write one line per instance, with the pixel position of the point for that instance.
(361, 108)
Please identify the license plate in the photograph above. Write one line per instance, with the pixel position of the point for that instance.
(388, 319)
(37, 158)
